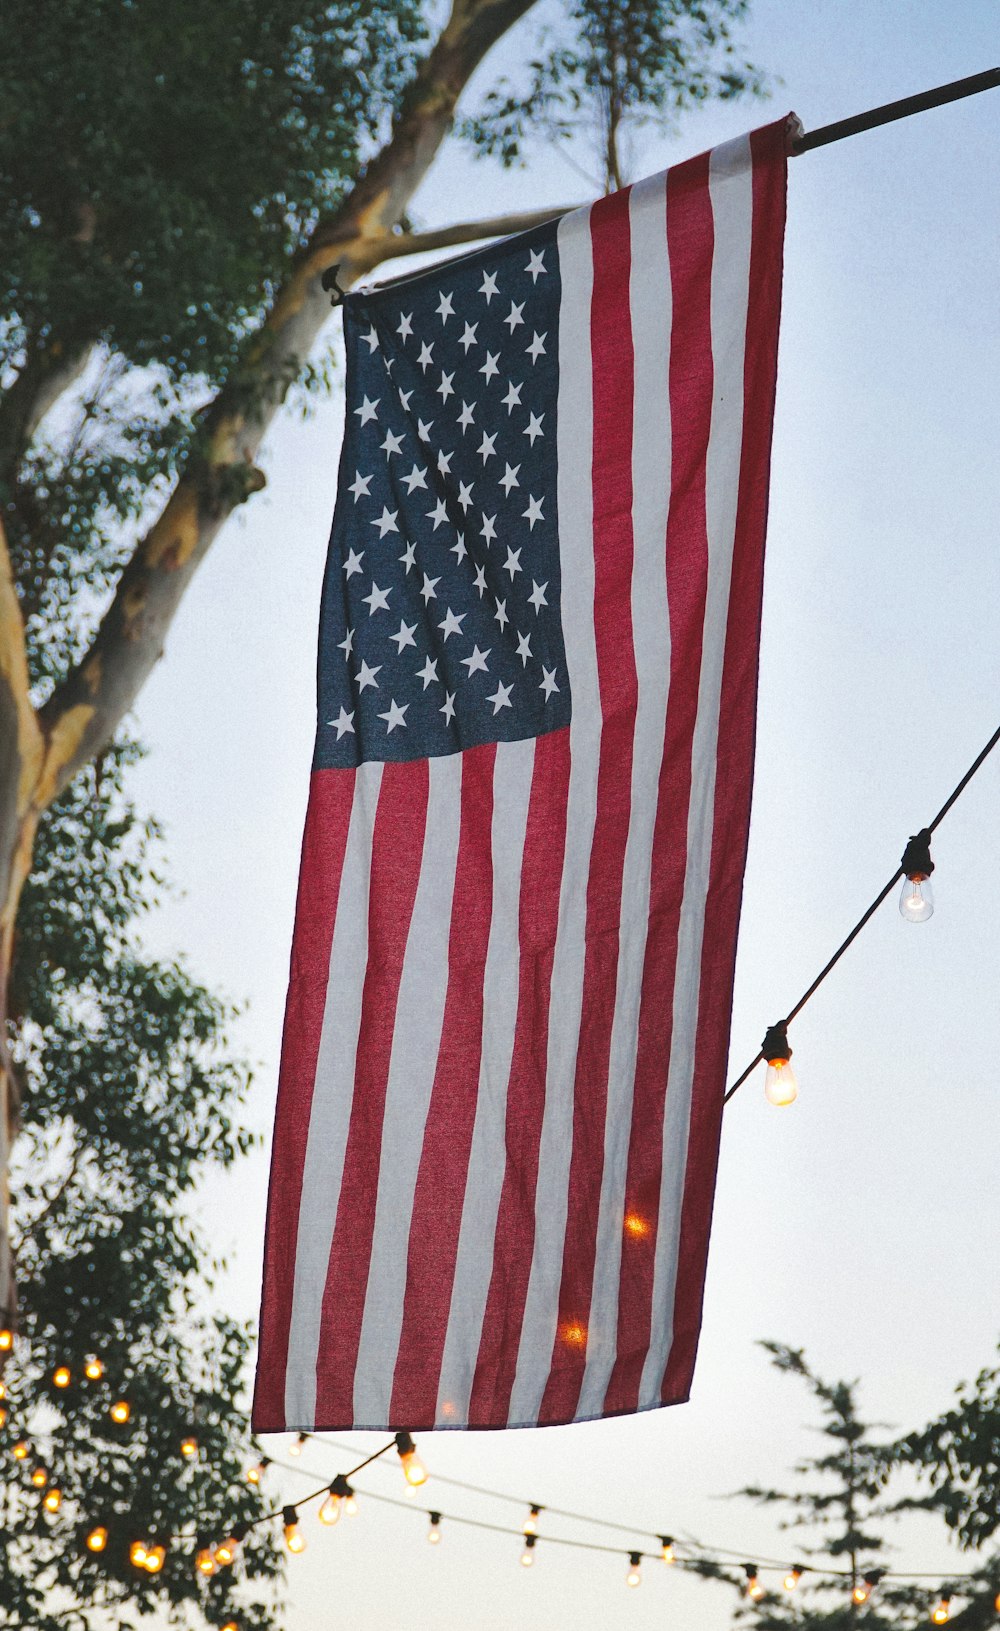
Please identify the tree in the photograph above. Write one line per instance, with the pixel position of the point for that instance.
(133, 1096)
(839, 1572)
(176, 180)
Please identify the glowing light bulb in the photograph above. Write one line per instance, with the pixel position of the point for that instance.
(434, 1532)
(226, 1550)
(97, 1539)
(942, 1611)
(93, 1370)
(996, 1602)
(753, 1587)
(528, 1555)
(155, 1559)
(52, 1500)
(916, 900)
(256, 1473)
(230, 1625)
(189, 1448)
(413, 1468)
(61, 1376)
(294, 1538)
(530, 1525)
(205, 1562)
(3, 1416)
(780, 1085)
(861, 1592)
(298, 1445)
(20, 1451)
(3, 1391)
(667, 1548)
(120, 1411)
(137, 1554)
(39, 1478)
(6, 1340)
(792, 1578)
(329, 1512)
(634, 1576)
(351, 1505)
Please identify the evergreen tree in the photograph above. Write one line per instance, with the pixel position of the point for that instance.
(839, 1571)
(132, 1096)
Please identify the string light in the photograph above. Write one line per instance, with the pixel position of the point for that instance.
(297, 1447)
(434, 1532)
(155, 1558)
(667, 1548)
(916, 902)
(634, 1576)
(531, 1521)
(413, 1467)
(120, 1411)
(93, 1370)
(52, 1500)
(20, 1451)
(753, 1587)
(137, 1554)
(780, 1085)
(528, 1555)
(61, 1376)
(941, 1614)
(792, 1578)
(97, 1539)
(6, 1340)
(339, 1495)
(3, 1416)
(230, 1625)
(189, 1448)
(39, 1478)
(863, 1590)
(256, 1473)
(205, 1562)
(294, 1538)
(227, 1549)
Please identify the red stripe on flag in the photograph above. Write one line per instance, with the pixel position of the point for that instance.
(397, 847)
(541, 877)
(613, 396)
(737, 729)
(451, 1115)
(690, 238)
(324, 844)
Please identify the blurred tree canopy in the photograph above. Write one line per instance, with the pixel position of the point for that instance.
(134, 1095)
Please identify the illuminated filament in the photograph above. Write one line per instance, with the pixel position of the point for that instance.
(61, 1376)
(528, 1555)
(294, 1539)
(93, 1370)
(530, 1525)
(792, 1578)
(753, 1588)
(434, 1532)
(297, 1447)
(120, 1411)
(413, 1468)
(942, 1611)
(52, 1500)
(189, 1448)
(667, 1548)
(634, 1576)
(97, 1539)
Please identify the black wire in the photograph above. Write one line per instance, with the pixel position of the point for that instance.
(871, 910)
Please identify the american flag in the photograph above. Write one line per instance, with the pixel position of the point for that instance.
(507, 1025)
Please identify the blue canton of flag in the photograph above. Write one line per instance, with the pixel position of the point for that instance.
(440, 623)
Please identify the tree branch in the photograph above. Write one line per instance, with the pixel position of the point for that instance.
(84, 712)
(470, 232)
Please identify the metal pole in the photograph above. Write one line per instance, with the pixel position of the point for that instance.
(890, 111)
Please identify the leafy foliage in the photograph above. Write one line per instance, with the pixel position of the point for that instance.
(960, 1455)
(628, 63)
(131, 1095)
(159, 165)
(838, 1521)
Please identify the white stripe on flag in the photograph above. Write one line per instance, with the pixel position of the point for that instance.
(576, 508)
(512, 775)
(731, 191)
(651, 452)
(415, 1041)
(330, 1116)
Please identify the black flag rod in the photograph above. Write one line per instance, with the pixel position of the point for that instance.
(891, 111)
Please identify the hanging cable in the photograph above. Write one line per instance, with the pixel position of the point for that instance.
(900, 872)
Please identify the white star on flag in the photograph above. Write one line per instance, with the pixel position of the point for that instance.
(343, 722)
(394, 716)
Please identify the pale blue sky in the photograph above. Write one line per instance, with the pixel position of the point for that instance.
(862, 1223)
